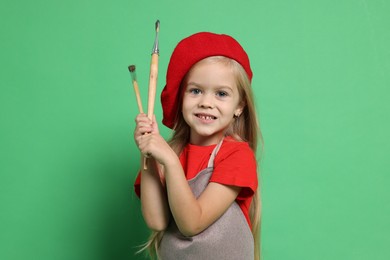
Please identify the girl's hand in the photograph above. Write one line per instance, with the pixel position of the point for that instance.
(150, 142)
(143, 126)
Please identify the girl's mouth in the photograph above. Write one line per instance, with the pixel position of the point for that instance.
(205, 117)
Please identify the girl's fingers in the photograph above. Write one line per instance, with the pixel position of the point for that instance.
(142, 118)
(143, 125)
(146, 142)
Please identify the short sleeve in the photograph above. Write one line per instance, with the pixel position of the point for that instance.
(137, 185)
(236, 166)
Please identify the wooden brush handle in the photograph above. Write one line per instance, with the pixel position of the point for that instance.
(152, 84)
(152, 91)
(138, 96)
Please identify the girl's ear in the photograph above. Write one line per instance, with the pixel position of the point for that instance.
(238, 111)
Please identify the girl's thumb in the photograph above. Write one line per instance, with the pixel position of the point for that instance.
(154, 124)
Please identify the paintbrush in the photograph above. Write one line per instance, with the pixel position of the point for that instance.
(153, 73)
(153, 80)
(136, 88)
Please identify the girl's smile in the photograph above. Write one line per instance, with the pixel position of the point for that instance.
(210, 101)
(206, 118)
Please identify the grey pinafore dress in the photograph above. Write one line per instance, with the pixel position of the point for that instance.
(228, 238)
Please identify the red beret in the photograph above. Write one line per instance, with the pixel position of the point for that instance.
(188, 52)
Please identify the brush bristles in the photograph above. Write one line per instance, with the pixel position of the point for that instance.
(157, 25)
(131, 68)
(132, 72)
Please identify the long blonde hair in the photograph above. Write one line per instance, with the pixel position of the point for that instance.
(244, 128)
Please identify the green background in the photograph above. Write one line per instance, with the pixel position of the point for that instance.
(67, 109)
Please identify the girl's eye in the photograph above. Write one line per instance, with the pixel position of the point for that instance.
(195, 91)
(222, 94)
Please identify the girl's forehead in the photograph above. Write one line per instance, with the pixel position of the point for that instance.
(215, 74)
(206, 66)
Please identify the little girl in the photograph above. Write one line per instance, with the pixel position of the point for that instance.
(199, 191)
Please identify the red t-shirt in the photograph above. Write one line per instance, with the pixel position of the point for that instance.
(234, 165)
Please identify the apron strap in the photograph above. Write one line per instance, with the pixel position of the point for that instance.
(213, 154)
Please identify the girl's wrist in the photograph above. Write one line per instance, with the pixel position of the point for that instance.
(172, 161)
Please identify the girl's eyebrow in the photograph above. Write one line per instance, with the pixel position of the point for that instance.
(200, 85)
(194, 84)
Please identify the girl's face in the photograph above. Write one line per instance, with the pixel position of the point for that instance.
(210, 101)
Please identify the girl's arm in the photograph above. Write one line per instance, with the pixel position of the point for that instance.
(154, 202)
(193, 215)
(153, 196)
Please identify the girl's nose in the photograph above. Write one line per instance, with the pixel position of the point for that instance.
(206, 101)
